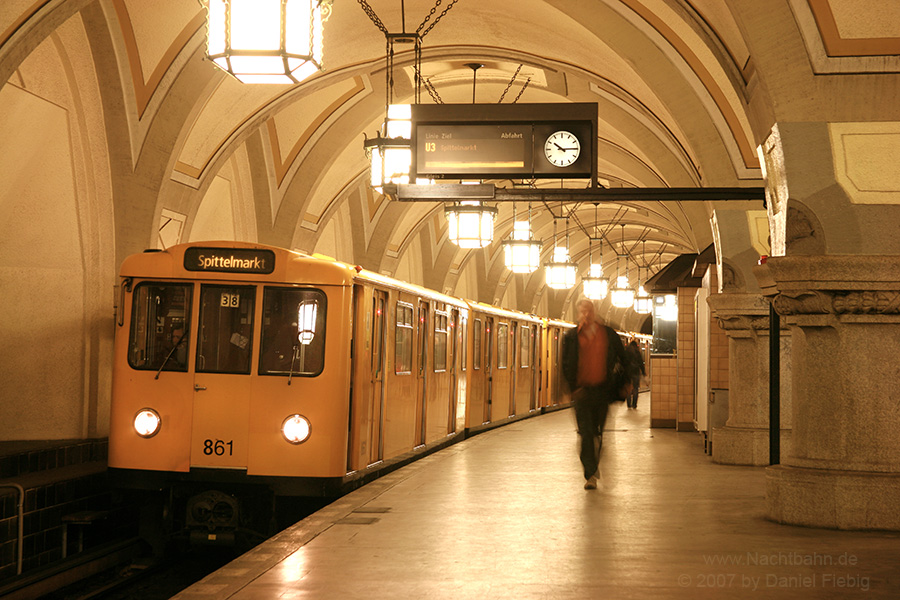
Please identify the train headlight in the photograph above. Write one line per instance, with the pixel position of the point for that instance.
(295, 429)
(146, 422)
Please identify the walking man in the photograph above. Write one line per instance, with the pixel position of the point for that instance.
(590, 354)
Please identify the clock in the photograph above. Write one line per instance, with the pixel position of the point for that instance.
(562, 149)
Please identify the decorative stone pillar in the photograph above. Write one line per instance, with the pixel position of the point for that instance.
(744, 440)
(843, 470)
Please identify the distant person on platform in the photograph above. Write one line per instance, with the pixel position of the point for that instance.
(636, 368)
(590, 354)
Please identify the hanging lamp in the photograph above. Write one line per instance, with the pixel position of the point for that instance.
(560, 272)
(621, 295)
(471, 224)
(643, 302)
(521, 253)
(596, 286)
(267, 41)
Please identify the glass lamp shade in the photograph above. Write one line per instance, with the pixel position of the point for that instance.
(643, 303)
(665, 308)
(267, 41)
(560, 273)
(471, 225)
(596, 286)
(390, 156)
(621, 296)
(521, 253)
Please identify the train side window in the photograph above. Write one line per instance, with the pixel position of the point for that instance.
(160, 326)
(377, 335)
(502, 345)
(226, 329)
(476, 345)
(525, 346)
(440, 341)
(293, 332)
(464, 346)
(403, 339)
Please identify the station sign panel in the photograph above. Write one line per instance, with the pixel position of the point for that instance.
(517, 141)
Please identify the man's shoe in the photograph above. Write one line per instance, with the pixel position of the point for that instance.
(591, 484)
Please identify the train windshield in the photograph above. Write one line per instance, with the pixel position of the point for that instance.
(293, 332)
(160, 323)
(226, 329)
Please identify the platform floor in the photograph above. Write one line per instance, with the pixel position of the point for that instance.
(504, 515)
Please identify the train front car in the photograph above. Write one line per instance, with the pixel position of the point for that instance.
(231, 383)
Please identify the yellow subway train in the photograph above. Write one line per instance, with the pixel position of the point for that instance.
(246, 373)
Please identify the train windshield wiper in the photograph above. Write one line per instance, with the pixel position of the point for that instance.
(293, 358)
(169, 355)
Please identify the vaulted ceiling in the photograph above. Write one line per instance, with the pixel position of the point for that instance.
(194, 154)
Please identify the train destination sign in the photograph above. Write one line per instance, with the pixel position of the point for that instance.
(457, 141)
(462, 149)
(229, 260)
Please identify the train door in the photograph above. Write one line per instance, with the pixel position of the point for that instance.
(221, 411)
(488, 367)
(451, 365)
(375, 441)
(422, 371)
(513, 370)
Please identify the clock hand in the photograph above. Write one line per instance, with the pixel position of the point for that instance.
(558, 146)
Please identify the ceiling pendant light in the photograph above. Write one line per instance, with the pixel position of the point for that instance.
(522, 253)
(560, 272)
(390, 151)
(471, 224)
(621, 295)
(267, 41)
(596, 286)
(643, 303)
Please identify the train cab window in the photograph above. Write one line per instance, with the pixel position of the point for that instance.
(525, 346)
(476, 345)
(160, 326)
(403, 339)
(440, 341)
(226, 329)
(293, 332)
(502, 345)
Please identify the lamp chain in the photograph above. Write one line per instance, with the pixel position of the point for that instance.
(509, 85)
(432, 91)
(370, 12)
(437, 20)
(527, 81)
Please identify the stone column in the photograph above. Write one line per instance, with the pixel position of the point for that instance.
(843, 470)
(745, 438)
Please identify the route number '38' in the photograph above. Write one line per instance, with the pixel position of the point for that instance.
(218, 447)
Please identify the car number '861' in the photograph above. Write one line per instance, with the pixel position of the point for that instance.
(218, 447)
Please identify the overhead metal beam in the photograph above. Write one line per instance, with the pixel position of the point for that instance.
(448, 192)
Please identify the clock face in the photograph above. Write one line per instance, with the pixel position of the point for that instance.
(562, 149)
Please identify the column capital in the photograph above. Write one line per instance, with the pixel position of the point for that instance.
(740, 312)
(838, 285)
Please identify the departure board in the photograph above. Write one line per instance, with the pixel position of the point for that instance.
(469, 150)
(516, 141)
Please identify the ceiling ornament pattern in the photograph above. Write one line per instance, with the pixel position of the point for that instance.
(145, 88)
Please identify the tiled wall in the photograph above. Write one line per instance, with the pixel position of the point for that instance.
(58, 481)
(663, 387)
(685, 360)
